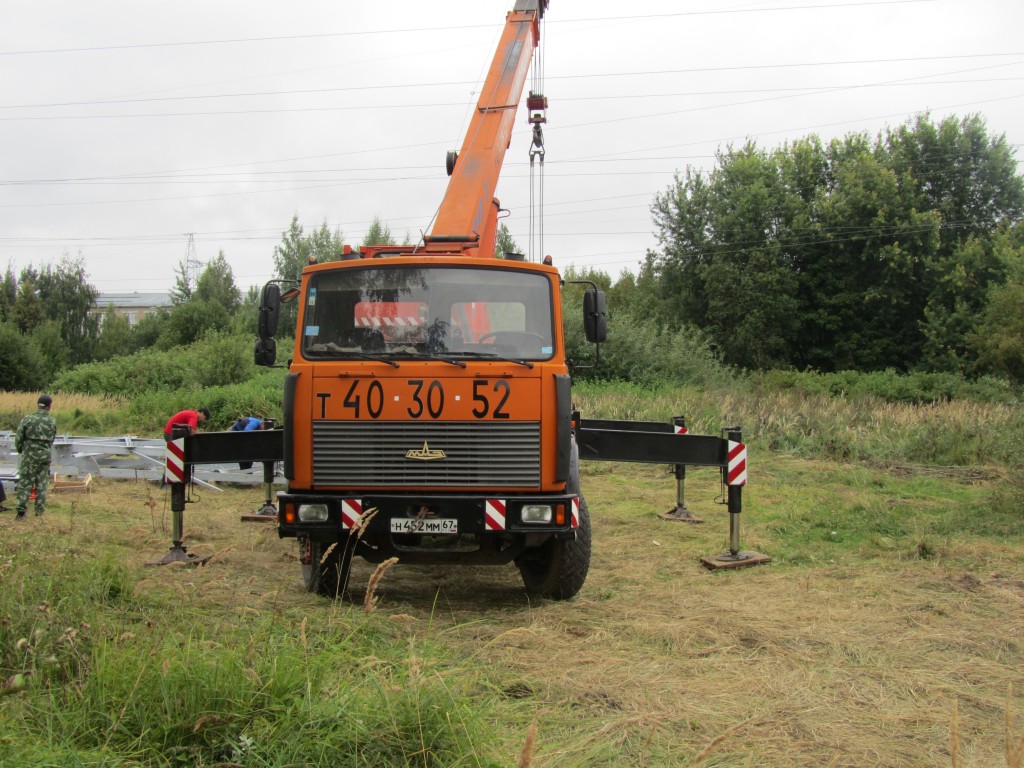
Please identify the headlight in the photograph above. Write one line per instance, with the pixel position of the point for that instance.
(536, 513)
(313, 513)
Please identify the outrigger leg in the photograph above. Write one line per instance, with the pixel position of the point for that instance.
(177, 474)
(735, 476)
(268, 512)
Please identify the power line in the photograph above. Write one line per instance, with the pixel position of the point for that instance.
(421, 30)
(414, 86)
(791, 91)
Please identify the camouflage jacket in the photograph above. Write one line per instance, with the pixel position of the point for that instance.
(34, 436)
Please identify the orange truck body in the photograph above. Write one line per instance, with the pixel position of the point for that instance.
(427, 410)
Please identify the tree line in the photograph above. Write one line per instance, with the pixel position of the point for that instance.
(50, 321)
(904, 251)
(899, 252)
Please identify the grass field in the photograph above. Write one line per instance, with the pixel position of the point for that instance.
(887, 631)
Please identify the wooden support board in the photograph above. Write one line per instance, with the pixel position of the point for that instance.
(726, 561)
(62, 484)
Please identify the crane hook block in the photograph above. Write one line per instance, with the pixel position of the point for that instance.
(449, 161)
(536, 105)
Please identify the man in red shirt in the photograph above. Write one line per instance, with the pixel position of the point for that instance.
(190, 419)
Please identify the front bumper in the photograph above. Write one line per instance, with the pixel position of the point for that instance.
(372, 513)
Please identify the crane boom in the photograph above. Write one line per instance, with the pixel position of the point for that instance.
(467, 218)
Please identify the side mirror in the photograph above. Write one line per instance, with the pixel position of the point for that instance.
(270, 309)
(265, 353)
(595, 316)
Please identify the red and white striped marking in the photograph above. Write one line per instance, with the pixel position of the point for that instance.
(351, 511)
(736, 474)
(390, 322)
(494, 514)
(574, 515)
(174, 470)
(680, 429)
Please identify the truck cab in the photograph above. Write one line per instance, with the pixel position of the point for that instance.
(428, 417)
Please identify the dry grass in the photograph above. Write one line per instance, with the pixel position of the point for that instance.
(25, 402)
(953, 433)
(370, 601)
(526, 754)
(658, 662)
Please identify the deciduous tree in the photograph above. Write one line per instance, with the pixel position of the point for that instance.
(294, 254)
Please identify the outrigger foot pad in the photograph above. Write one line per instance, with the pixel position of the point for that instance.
(738, 560)
(265, 514)
(178, 554)
(681, 515)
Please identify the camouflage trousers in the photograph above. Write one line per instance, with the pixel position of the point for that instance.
(32, 474)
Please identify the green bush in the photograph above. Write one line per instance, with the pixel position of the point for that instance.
(216, 360)
(641, 351)
(261, 395)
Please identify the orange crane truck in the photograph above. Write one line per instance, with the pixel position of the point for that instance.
(427, 404)
(427, 408)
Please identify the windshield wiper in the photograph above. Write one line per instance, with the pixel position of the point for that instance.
(495, 356)
(424, 356)
(338, 352)
(375, 358)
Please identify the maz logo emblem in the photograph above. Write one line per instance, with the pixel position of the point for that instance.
(426, 453)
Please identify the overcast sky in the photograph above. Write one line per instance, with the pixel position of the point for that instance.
(127, 126)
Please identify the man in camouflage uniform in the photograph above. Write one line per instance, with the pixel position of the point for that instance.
(33, 440)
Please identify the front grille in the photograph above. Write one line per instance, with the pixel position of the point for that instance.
(477, 454)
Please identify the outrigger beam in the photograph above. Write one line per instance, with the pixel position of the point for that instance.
(652, 442)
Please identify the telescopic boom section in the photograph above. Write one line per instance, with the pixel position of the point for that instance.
(468, 216)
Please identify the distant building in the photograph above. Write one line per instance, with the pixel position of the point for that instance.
(134, 305)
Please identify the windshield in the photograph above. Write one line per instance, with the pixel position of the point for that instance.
(391, 311)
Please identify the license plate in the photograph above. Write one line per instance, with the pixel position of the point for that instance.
(426, 525)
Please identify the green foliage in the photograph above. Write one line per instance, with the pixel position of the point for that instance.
(858, 254)
(182, 290)
(215, 360)
(146, 332)
(999, 339)
(995, 334)
(294, 254)
(379, 233)
(21, 366)
(243, 322)
(115, 336)
(53, 352)
(504, 242)
(260, 395)
(188, 322)
(27, 311)
(216, 284)
(68, 300)
(8, 295)
(639, 348)
(208, 308)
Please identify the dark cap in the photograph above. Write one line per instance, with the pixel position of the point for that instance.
(205, 412)
(44, 401)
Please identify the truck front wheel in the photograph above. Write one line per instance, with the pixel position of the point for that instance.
(325, 566)
(558, 568)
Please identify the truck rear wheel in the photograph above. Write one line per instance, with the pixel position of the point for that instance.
(558, 568)
(325, 566)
